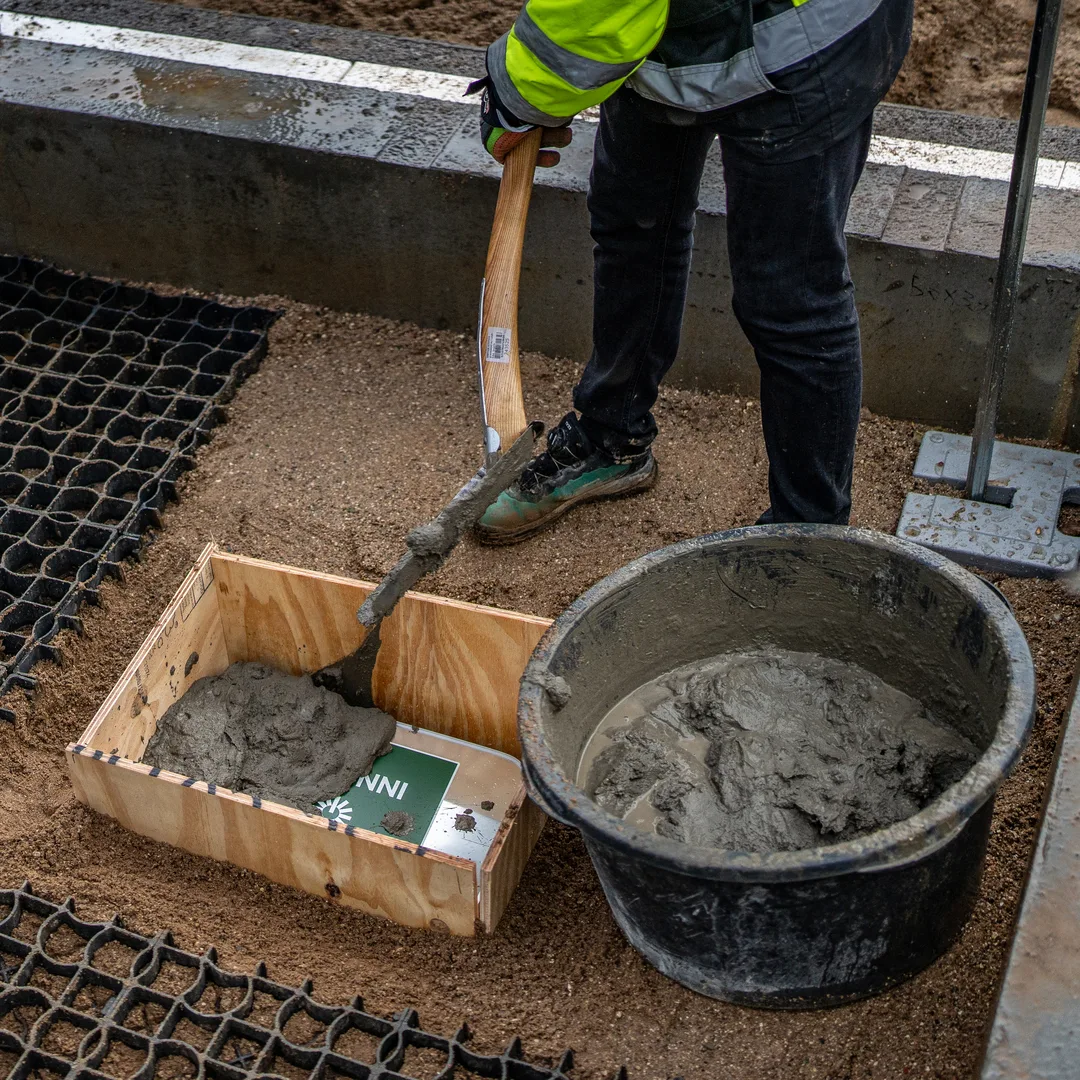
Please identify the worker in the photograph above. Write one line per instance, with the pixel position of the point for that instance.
(789, 88)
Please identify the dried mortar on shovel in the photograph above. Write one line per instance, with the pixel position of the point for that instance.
(294, 739)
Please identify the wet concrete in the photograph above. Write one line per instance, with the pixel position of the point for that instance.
(398, 822)
(262, 732)
(812, 926)
(779, 751)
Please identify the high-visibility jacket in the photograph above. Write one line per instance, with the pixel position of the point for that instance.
(562, 56)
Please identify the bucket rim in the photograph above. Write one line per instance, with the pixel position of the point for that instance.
(905, 841)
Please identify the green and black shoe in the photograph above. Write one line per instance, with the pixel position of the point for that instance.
(572, 470)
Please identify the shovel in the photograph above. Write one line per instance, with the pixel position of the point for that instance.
(501, 401)
(509, 440)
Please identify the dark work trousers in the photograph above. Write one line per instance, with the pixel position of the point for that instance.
(793, 295)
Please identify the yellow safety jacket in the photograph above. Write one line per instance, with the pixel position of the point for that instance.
(562, 56)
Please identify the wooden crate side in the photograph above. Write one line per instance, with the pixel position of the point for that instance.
(506, 859)
(445, 665)
(456, 670)
(186, 644)
(362, 870)
(293, 620)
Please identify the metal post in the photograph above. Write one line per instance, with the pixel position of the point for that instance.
(1011, 259)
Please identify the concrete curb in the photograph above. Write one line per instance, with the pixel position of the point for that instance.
(1036, 1030)
(375, 200)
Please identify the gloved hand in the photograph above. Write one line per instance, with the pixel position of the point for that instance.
(501, 131)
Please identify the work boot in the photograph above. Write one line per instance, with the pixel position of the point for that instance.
(572, 470)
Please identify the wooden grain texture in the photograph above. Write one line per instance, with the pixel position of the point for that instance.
(504, 405)
(295, 621)
(506, 859)
(367, 871)
(444, 665)
(186, 644)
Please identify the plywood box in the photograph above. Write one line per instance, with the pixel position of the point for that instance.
(447, 666)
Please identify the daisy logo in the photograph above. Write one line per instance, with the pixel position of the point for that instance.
(338, 809)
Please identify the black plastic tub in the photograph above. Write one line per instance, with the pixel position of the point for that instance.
(800, 929)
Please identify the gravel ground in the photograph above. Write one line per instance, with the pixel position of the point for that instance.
(354, 429)
(967, 55)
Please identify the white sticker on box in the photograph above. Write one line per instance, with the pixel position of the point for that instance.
(497, 350)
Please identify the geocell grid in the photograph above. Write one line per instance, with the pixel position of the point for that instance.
(105, 393)
(95, 1001)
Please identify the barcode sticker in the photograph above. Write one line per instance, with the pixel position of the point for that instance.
(497, 350)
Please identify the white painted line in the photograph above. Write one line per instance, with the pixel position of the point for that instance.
(959, 160)
(399, 80)
(253, 58)
(884, 150)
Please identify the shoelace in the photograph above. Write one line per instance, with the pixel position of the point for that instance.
(558, 455)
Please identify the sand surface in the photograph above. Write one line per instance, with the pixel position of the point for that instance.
(967, 55)
(354, 430)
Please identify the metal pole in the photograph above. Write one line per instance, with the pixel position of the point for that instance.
(1011, 259)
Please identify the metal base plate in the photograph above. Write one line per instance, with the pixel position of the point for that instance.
(1017, 532)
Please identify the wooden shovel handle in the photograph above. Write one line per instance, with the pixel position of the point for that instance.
(500, 372)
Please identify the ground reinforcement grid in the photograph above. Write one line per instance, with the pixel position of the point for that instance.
(89, 1001)
(105, 393)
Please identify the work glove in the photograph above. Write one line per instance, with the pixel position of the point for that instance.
(501, 130)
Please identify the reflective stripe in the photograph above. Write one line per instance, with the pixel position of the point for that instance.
(578, 71)
(702, 87)
(793, 35)
(508, 92)
(779, 42)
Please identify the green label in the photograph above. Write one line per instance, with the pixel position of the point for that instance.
(399, 797)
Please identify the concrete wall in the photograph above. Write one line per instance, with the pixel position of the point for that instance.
(365, 200)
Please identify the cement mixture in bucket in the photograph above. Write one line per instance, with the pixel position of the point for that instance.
(770, 752)
(259, 731)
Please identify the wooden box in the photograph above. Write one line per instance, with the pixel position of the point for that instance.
(447, 666)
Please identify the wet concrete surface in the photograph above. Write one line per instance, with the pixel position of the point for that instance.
(773, 751)
(300, 113)
(980, 132)
(262, 732)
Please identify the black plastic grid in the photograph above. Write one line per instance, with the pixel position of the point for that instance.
(106, 390)
(88, 1001)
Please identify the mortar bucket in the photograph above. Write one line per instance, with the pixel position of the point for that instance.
(794, 929)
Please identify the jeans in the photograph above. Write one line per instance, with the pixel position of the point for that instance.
(793, 295)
